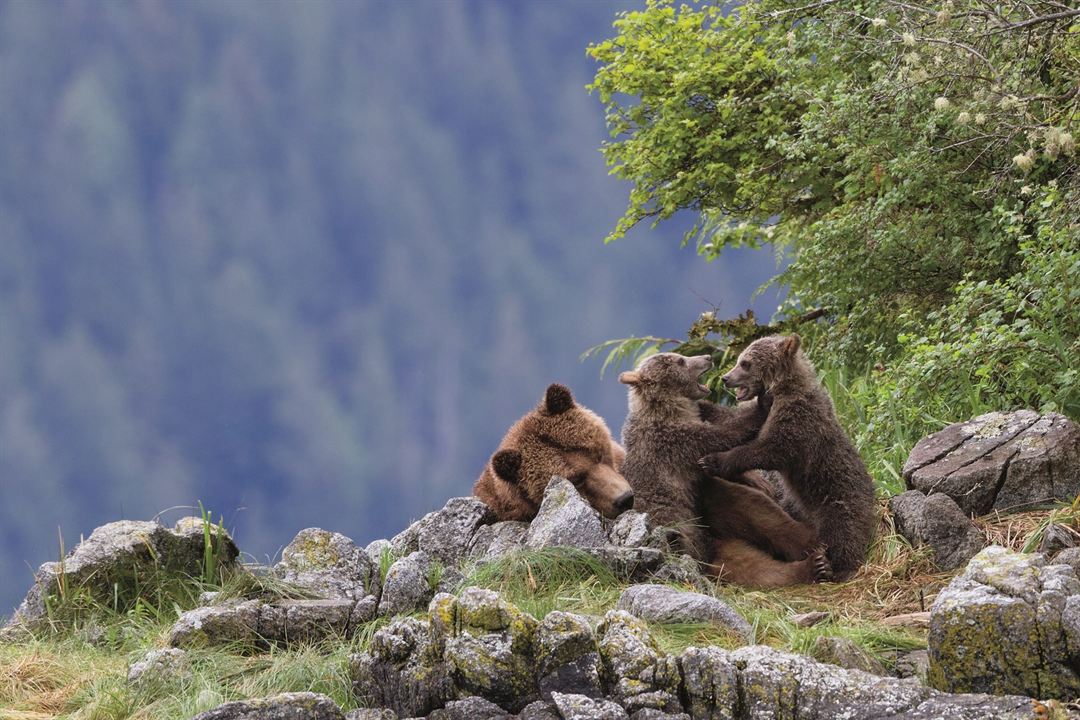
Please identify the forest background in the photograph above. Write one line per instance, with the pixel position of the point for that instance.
(304, 263)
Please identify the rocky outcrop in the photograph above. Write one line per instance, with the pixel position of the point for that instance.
(565, 519)
(664, 604)
(329, 565)
(287, 706)
(999, 461)
(122, 559)
(256, 624)
(1009, 623)
(938, 522)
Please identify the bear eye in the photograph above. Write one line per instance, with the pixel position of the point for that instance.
(682, 361)
(744, 364)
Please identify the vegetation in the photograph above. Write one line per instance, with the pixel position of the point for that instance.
(913, 163)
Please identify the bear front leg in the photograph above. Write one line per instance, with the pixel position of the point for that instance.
(756, 455)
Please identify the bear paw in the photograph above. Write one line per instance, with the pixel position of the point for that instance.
(822, 567)
(718, 465)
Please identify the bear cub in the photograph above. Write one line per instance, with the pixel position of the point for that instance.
(825, 482)
(558, 437)
(736, 529)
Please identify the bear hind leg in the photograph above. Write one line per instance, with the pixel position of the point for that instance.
(737, 561)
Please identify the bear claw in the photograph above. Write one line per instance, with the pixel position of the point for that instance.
(822, 567)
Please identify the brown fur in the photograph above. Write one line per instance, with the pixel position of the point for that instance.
(731, 527)
(825, 480)
(558, 437)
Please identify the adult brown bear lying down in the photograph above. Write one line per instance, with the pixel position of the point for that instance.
(736, 529)
(558, 437)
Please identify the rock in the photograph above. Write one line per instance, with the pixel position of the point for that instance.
(844, 653)
(1005, 625)
(914, 664)
(810, 619)
(447, 533)
(631, 529)
(470, 708)
(407, 541)
(375, 551)
(999, 461)
(308, 621)
(120, 561)
(539, 710)
(410, 584)
(234, 622)
(581, 707)
(651, 714)
(565, 519)
(403, 670)
(328, 564)
(663, 604)
(681, 570)
(491, 542)
(912, 620)
(939, 522)
(568, 660)
(636, 673)
(371, 714)
(286, 706)
(1056, 537)
(159, 667)
(1070, 557)
(628, 564)
(489, 644)
(759, 682)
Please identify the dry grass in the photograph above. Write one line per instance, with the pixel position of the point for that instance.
(41, 682)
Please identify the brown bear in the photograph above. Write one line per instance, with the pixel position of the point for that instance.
(825, 482)
(558, 437)
(736, 530)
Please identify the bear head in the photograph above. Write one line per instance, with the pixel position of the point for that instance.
(560, 437)
(765, 363)
(665, 376)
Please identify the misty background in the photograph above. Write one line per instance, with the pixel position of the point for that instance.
(304, 263)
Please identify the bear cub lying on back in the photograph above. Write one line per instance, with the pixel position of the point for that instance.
(558, 437)
(825, 480)
(739, 532)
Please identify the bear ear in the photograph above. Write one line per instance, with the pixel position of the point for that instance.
(630, 377)
(507, 465)
(791, 344)
(558, 399)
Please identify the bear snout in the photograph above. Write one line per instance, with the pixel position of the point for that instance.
(625, 501)
(726, 379)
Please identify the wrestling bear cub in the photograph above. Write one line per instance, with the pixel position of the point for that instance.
(736, 529)
(825, 481)
(558, 437)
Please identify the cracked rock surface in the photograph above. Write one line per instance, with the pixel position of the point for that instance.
(1010, 623)
(937, 521)
(999, 461)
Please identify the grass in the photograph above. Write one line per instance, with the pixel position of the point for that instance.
(79, 671)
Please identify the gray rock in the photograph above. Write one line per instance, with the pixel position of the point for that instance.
(410, 584)
(308, 621)
(470, 708)
(914, 664)
(539, 710)
(1070, 557)
(1056, 537)
(568, 660)
(844, 653)
(491, 542)
(286, 706)
(407, 541)
(939, 522)
(631, 529)
(681, 569)
(999, 461)
(581, 707)
(637, 673)
(375, 550)
(447, 534)
(403, 670)
(490, 645)
(651, 714)
(119, 561)
(1004, 626)
(628, 564)
(663, 604)
(810, 619)
(565, 519)
(371, 714)
(235, 622)
(159, 667)
(328, 564)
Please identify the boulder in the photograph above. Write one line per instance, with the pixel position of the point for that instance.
(470, 708)
(565, 519)
(844, 653)
(914, 664)
(235, 622)
(1009, 623)
(286, 706)
(567, 657)
(539, 710)
(636, 672)
(447, 534)
(1055, 538)
(371, 714)
(651, 714)
(1070, 557)
(410, 584)
(937, 521)
(254, 623)
(120, 561)
(159, 667)
(329, 565)
(631, 529)
(999, 461)
(491, 542)
(582, 707)
(663, 604)
(403, 670)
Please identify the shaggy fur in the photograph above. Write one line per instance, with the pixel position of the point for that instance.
(825, 480)
(558, 437)
(734, 528)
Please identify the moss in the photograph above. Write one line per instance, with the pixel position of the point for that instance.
(314, 551)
